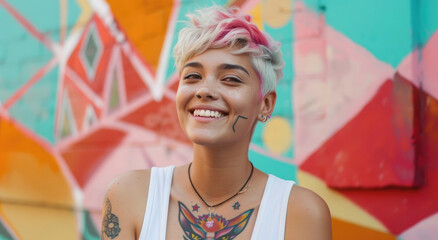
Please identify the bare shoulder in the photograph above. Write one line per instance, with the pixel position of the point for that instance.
(124, 205)
(308, 216)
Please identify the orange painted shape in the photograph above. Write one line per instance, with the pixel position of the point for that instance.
(145, 24)
(346, 231)
(28, 171)
(30, 176)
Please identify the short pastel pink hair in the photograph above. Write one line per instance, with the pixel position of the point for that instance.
(218, 27)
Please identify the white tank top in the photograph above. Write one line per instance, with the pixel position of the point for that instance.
(270, 221)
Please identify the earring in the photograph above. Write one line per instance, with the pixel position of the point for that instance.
(265, 118)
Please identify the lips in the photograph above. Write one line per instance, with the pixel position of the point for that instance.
(207, 112)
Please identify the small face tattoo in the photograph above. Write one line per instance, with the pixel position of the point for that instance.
(240, 116)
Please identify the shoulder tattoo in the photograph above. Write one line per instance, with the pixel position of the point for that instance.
(110, 222)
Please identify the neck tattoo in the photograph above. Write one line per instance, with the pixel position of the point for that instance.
(211, 207)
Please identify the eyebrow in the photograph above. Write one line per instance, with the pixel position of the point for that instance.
(227, 66)
(224, 66)
(193, 64)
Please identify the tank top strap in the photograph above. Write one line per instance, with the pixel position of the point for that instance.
(157, 206)
(271, 217)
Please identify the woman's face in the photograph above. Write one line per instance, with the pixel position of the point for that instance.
(218, 97)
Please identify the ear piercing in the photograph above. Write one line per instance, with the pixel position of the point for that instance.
(265, 118)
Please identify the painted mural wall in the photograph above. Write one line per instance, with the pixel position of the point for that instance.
(87, 92)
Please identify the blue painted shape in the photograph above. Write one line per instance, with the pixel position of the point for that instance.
(36, 109)
(382, 27)
(22, 55)
(271, 166)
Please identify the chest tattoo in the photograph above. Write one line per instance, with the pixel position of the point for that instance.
(211, 226)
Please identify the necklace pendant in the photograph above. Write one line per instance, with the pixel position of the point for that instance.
(211, 209)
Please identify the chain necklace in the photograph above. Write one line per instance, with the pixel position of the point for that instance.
(211, 207)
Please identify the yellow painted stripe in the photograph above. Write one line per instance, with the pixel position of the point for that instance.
(340, 206)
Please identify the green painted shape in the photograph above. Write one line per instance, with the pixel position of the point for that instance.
(91, 50)
(21, 55)
(114, 100)
(382, 27)
(90, 231)
(4, 233)
(36, 108)
(65, 128)
(271, 166)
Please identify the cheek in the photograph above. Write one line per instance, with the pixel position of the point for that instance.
(245, 100)
(181, 96)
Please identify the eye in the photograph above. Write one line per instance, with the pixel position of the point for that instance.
(232, 79)
(192, 76)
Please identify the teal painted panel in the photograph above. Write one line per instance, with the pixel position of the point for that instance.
(73, 13)
(36, 109)
(90, 231)
(429, 19)
(382, 27)
(21, 55)
(315, 5)
(44, 15)
(4, 234)
(271, 166)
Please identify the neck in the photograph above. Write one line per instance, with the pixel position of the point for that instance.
(219, 172)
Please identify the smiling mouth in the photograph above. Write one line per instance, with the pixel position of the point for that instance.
(208, 113)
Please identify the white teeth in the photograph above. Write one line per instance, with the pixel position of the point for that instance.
(207, 113)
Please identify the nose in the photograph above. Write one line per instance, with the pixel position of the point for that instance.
(206, 93)
(207, 90)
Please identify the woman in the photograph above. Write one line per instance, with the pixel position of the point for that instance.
(228, 74)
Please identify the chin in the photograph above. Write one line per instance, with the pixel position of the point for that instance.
(205, 141)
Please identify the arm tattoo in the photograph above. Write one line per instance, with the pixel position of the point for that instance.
(110, 222)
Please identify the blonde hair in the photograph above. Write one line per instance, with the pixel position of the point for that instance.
(218, 27)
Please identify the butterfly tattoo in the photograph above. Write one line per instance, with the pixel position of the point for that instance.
(211, 226)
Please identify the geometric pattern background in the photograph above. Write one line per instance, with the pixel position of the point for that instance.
(87, 92)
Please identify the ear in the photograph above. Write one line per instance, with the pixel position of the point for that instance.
(267, 105)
